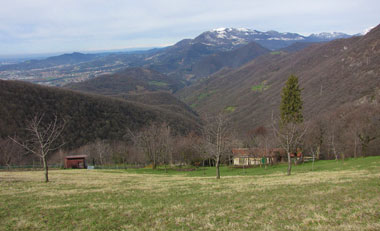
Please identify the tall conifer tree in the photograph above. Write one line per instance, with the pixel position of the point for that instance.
(291, 103)
(291, 130)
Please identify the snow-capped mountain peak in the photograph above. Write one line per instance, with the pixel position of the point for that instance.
(329, 35)
(232, 37)
(222, 29)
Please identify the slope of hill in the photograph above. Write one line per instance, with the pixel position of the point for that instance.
(232, 59)
(297, 46)
(162, 100)
(128, 81)
(89, 116)
(139, 85)
(331, 74)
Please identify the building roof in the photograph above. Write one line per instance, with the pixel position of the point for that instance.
(76, 157)
(257, 152)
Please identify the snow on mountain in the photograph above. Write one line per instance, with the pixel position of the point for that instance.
(329, 36)
(270, 35)
(229, 38)
(367, 30)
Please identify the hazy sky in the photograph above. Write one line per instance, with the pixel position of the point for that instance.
(43, 26)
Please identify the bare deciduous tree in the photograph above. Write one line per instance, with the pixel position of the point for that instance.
(154, 140)
(217, 138)
(316, 137)
(289, 136)
(368, 127)
(101, 149)
(10, 153)
(43, 138)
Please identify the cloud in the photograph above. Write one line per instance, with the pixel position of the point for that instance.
(89, 24)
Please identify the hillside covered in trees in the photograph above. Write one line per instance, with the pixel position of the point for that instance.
(89, 117)
(129, 81)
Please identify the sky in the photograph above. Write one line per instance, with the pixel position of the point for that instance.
(51, 26)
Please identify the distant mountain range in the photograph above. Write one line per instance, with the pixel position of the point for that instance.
(272, 40)
(65, 59)
(182, 60)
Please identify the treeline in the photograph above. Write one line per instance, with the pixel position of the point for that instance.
(154, 145)
(352, 130)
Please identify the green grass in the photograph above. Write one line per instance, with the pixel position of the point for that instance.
(371, 164)
(260, 87)
(202, 96)
(158, 83)
(336, 196)
(230, 109)
(205, 94)
(275, 53)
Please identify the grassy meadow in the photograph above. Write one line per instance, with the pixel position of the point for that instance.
(335, 196)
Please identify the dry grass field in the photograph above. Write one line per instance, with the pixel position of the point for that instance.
(347, 197)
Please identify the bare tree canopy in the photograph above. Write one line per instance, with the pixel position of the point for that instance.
(10, 153)
(155, 141)
(217, 137)
(290, 136)
(43, 138)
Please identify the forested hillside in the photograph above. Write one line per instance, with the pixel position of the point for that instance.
(88, 116)
(129, 81)
(140, 85)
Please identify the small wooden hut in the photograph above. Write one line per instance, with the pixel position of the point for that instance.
(75, 161)
(257, 156)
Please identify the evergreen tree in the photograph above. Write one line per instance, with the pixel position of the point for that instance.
(291, 130)
(291, 103)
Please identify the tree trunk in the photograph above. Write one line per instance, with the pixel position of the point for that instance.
(364, 148)
(217, 167)
(45, 168)
(318, 151)
(204, 173)
(154, 162)
(335, 153)
(289, 164)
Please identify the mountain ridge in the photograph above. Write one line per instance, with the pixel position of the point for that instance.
(331, 74)
(176, 60)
